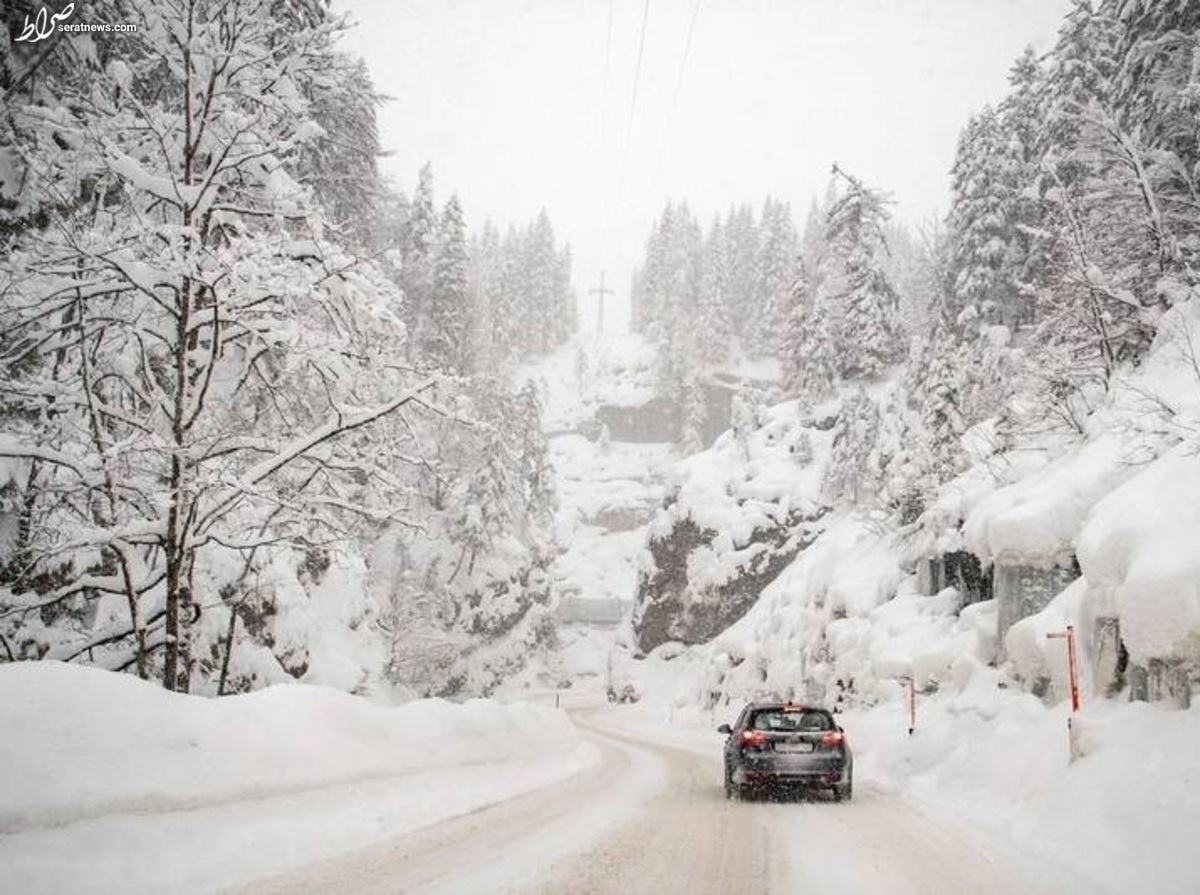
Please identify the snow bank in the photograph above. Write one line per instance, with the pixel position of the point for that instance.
(1124, 815)
(1140, 553)
(81, 743)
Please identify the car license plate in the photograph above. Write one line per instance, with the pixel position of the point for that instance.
(793, 747)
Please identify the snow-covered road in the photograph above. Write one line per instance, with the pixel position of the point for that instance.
(651, 817)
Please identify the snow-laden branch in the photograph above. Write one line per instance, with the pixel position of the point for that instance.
(338, 424)
(109, 584)
(14, 449)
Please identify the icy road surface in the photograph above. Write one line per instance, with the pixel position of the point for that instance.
(652, 817)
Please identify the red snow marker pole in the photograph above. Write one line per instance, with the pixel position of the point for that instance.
(1073, 682)
(912, 706)
(912, 702)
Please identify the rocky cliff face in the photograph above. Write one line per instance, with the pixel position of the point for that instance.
(700, 581)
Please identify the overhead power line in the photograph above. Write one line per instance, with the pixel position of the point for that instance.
(637, 76)
(603, 142)
(687, 49)
(662, 143)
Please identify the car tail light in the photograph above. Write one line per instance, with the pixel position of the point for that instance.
(753, 738)
(833, 738)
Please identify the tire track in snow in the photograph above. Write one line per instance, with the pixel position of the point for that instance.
(495, 849)
(652, 818)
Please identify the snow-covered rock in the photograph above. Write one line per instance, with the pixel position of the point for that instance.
(739, 513)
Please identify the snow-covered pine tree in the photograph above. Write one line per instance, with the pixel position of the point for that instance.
(715, 332)
(852, 477)
(776, 271)
(649, 289)
(743, 419)
(681, 362)
(869, 337)
(742, 239)
(1109, 194)
(1156, 82)
(417, 257)
(693, 406)
(941, 410)
(813, 245)
(904, 484)
(810, 364)
(565, 314)
(340, 164)
(509, 301)
(1029, 239)
(446, 339)
(541, 287)
(533, 455)
(486, 265)
(484, 509)
(979, 226)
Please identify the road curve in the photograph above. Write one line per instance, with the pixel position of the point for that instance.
(651, 817)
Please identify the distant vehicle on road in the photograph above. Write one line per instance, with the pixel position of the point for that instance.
(628, 693)
(780, 745)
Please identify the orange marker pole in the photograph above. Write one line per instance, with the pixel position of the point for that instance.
(1072, 682)
(912, 702)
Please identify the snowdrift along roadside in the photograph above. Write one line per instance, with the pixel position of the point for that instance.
(82, 743)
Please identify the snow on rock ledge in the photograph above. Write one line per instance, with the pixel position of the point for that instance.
(1035, 521)
(1140, 553)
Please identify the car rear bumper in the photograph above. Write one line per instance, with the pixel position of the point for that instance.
(809, 772)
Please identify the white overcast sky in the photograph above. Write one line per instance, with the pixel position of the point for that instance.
(510, 101)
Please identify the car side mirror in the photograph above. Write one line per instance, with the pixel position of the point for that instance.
(725, 729)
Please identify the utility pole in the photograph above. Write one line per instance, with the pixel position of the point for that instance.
(600, 291)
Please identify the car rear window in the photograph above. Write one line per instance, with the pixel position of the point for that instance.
(785, 720)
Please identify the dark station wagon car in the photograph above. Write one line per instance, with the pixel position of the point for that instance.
(781, 744)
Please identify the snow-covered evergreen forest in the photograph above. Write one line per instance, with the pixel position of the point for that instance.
(255, 394)
(1072, 231)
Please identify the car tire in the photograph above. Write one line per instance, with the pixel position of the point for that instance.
(844, 791)
(733, 791)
